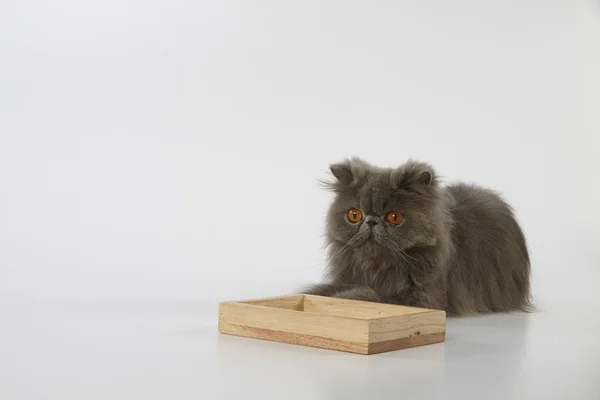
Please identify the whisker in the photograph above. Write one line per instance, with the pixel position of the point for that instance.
(401, 254)
(340, 251)
(417, 260)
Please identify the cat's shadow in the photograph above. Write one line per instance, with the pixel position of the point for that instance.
(486, 335)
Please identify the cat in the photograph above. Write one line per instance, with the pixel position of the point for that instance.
(396, 235)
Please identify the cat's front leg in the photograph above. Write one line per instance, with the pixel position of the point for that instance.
(328, 289)
(428, 299)
(362, 293)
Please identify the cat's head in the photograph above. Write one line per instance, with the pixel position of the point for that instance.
(383, 208)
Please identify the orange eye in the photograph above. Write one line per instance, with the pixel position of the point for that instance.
(354, 215)
(394, 217)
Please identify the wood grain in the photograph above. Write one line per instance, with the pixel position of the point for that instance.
(355, 308)
(284, 320)
(287, 302)
(401, 326)
(337, 324)
(294, 338)
(405, 343)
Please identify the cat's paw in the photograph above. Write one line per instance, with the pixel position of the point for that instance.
(362, 293)
(327, 289)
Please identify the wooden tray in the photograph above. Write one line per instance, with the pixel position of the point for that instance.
(346, 325)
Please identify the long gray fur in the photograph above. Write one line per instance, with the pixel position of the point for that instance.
(459, 247)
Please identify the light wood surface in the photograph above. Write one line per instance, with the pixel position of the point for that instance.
(330, 323)
(355, 308)
(287, 302)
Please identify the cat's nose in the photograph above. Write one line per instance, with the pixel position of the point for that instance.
(371, 220)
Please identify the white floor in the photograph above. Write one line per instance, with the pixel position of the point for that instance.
(100, 350)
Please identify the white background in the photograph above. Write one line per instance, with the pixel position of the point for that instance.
(166, 154)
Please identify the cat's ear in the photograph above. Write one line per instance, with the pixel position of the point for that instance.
(416, 176)
(347, 173)
(342, 172)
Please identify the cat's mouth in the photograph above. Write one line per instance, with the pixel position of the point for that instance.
(373, 249)
(372, 238)
(376, 240)
(377, 236)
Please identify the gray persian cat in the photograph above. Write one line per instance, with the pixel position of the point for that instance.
(397, 236)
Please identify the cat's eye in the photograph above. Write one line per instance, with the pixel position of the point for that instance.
(354, 215)
(394, 217)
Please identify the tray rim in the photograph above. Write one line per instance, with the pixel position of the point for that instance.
(422, 311)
